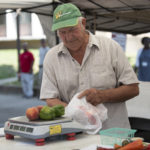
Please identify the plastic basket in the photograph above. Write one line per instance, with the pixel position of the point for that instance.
(115, 135)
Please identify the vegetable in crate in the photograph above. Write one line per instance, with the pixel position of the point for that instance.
(47, 113)
(59, 110)
(136, 145)
(125, 142)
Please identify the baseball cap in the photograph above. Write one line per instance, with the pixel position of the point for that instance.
(65, 15)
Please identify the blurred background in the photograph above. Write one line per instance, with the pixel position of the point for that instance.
(31, 31)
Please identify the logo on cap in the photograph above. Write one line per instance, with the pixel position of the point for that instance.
(59, 14)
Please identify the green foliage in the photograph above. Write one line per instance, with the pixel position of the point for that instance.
(36, 80)
(131, 60)
(7, 71)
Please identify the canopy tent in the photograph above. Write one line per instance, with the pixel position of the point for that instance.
(125, 16)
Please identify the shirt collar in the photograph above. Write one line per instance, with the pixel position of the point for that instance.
(62, 49)
(93, 41)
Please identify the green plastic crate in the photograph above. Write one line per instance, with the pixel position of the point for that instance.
(115, 135)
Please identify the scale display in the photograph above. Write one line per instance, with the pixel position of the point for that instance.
(21, 128)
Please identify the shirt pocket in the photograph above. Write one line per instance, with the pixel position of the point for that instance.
(97, 77)
(101, 77)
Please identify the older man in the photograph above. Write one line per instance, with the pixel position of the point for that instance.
(94, 66)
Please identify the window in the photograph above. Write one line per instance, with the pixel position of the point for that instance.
(2, 25)
(25, 24)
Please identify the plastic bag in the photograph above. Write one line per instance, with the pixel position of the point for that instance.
(91, 117)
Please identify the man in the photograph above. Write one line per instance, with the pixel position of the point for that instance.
(142, 65)
(94, 66)
(42, 52)
(26, 70)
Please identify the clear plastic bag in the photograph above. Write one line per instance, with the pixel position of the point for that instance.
(91, 117)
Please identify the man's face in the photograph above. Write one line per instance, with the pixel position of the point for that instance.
(43, 44)
(72, 37)
(24, 47)
(146, 42)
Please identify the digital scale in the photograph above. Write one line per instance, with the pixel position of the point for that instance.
(39, 130)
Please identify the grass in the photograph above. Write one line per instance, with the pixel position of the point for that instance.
(9, 62)
(7, 71)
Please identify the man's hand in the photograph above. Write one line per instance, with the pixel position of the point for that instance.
(52, 102)
(120, 94)
(93, 96)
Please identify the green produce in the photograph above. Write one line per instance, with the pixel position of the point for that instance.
(59, 110)
(125, 142)
(47, 113)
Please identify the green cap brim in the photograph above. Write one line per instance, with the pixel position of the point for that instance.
(66, 23)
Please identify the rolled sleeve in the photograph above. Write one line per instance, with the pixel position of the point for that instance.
(49, 86)
(124, 71)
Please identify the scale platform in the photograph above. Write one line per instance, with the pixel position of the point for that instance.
(39, 130)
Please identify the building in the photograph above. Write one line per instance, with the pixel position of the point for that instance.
(30, 30)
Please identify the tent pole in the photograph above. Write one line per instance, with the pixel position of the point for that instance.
(56, 36)
(18, 39)
(94, 24)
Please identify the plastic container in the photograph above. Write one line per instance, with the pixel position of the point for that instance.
(116, 135)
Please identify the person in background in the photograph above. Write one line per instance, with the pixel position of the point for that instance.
(142, 65)
(94, 66)
(42, 52)
(26, 71)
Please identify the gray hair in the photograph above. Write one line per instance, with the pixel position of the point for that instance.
(80, 21)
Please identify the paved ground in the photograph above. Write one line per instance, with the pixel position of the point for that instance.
(12, 105)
